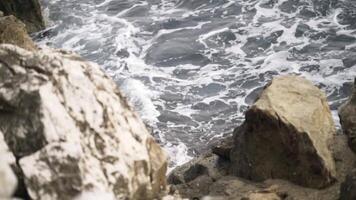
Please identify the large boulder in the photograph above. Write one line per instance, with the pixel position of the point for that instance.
(28, 11)
(207, 177)
(347, 114)
(13, 31)
(285, 135)
(72, 130)
(8, 181)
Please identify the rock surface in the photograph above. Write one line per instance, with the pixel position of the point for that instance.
(285, 135)
(73, 131)
(8, 179)
(13, 31)
(347, 114)
(227, 187)
(28, 11)
(288, 130)
(348, 187)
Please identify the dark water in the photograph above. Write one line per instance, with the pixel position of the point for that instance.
(192, 67)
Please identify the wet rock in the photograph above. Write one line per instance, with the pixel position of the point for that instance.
(259, 44)
(349, 62)
(268, 3)
(207, 164)
(348, 187)
(338, 42)
(348, 14)
(347, 114)
(176, 51)
(310, 68)
(286, 136)
(322, 7)
(251, 97)
(207, 90)
(27, 11)
(223, 147)
(13, 31)
(174, 117)
(301, 29)
(8, 181)
(307, 13)
(72, 130)
(291, 6)
(193, 179)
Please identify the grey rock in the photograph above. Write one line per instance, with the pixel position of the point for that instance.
(207, 164)
(223, 147)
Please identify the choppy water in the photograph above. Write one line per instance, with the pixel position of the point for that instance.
(191, 67)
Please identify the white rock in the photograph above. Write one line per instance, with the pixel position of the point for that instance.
(73, 129)
(8, 181)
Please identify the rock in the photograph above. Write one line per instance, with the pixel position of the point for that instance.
(231, 188)
(301, 29)
(223, 147)
(13, 31)
(193, 179)
(347, 114)
(27, 11)
(223, 186)
(285, 136)
(73, 131)
(207, 164)
(349, 61)
(348, 187)
(1, 14)
(8, 181)
(261, 196)
(196, 189)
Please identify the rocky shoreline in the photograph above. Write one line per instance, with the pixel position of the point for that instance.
(289, 135)
(67, 132)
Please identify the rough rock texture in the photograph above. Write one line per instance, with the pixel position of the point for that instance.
(227, 187)
(285, 135)
(13, 31)
(348, 187)
(347, 114)
(28, 11)
(72, 129)
(8, 179)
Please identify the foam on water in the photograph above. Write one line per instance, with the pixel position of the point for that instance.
(192, 67)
